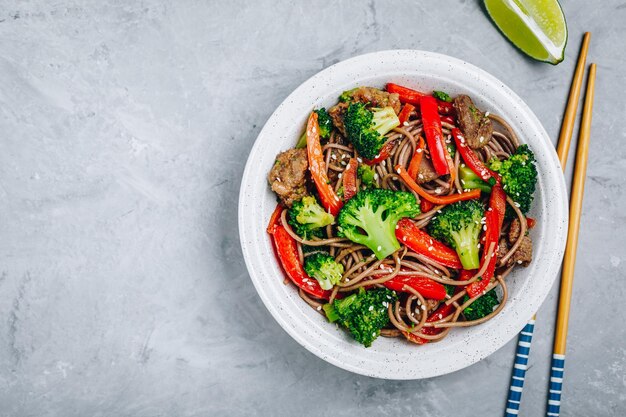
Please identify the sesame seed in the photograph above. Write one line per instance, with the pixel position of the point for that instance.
(519, 261)
(333, 157)
(319, 308)
(359, 159)
(405, 123)
(430, 248)
(371, 308)
(340, 175)
(487, 114)
(420, 176)
(375, 176)
(379, 247)
(383, 163)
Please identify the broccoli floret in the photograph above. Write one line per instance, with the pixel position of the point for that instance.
(326, 127)
(367, 174)
(363, 313)
(347, 95)
(307, 218)
(459, 226)
(469, 180)
(519, 177)
(366, 128)
(370, 217)
(440, 95)
(481, 307)
(324, 269)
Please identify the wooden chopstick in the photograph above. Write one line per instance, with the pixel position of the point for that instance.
(569, 259)
(567, 128)
(524, 340)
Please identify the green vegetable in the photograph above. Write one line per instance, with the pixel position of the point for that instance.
(519, 177)
(367, 175)
(440, 95)
(451, 148)
(449, 289)
(469, 180)
(324, 269)
(326, 127)
(482, 306)
(370, 217)
(347, 95)
(366, 128)
(363, 313)
(459, 226)
(307, 218)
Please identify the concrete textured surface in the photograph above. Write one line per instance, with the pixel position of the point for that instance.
(125, 127)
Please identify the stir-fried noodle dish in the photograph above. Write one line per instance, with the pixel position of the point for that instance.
(401, 213)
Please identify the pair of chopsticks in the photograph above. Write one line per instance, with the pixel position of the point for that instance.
(569, 259)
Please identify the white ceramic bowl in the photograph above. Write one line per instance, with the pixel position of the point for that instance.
(395, 358)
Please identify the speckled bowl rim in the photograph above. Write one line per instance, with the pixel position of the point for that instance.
(395, 358)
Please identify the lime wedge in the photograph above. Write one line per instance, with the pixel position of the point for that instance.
(537, 27)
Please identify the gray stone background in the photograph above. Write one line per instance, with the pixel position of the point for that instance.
(125, 127)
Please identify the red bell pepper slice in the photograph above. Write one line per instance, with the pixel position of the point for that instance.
(425, 286)
(441, 312)
(287, 250)
(317, 167)
(448, 119)
(410, 96)
(494, 217)
(349, 179)
(443, 200)
(405, 113)
(275, 218)
(421, 242)
(471, 159)
(434, 135)
(530, 222)
(445, 108)
(416, 160)
(407, 95)
(383, 154)
(426, 206)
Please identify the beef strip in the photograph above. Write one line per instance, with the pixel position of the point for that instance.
(426, 172)
(336, 114)
(476, 126)
(524, 254)
(287, 176)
